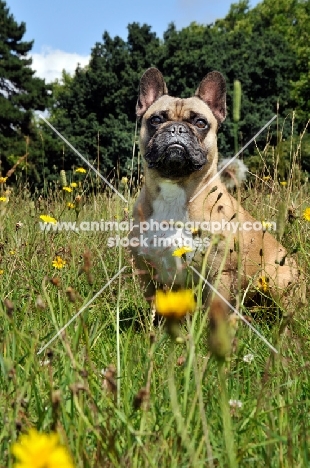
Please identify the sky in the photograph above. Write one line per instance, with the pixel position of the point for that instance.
(64, 31)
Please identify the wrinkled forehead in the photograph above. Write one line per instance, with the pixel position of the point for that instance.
(179, 109)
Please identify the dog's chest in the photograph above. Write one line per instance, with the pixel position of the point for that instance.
(165, 234)
(170, 203)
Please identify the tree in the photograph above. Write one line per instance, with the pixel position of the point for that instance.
(95, 110)
(20, 92)
(290, 20)
(262, 61)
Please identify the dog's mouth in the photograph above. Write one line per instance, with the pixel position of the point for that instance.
(175, 160)
(176, 152)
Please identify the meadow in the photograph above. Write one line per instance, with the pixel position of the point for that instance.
(120, 391)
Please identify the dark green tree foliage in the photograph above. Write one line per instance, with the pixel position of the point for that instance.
(260, 60)
(265, 48)
(286, 61)
(20, 92)
(96, 109)
(98, 104)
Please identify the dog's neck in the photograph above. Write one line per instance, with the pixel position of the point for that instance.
(154, 183)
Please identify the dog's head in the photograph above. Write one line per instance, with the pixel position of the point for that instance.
(178, 136)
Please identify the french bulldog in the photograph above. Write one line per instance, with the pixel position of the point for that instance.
(184, 216)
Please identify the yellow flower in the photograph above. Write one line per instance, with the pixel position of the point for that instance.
(3, 199)
(283, 183)
(267, 226)
(12, 252)
(306, 214)
(81, 170)
(67, 189)
(266, 178)
(59, 263)
(35, 450)
(73, 184)
(175, 304)
(181, 251)
(48, 219)
(1, 272)
(3, 180)
(196, 232)
(124, 180)
(263, 284)
(70, 206)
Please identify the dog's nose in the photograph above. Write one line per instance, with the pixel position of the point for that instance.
(178, 129)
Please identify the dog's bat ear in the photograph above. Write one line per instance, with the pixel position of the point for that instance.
(212, 90)
(152, 86)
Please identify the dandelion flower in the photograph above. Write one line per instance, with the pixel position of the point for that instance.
(67, 189)
(306, 214)
(35, 450)
(3, 180)
(283, 183)
(3, 199)
(181, 251)
(80, 170)
(265, 178)
(1, 272)
(48, 219)
(124, 180)
(12, 252)
(70, 206)
(59, 263)
(263, 282)
(175, 304)
(73, 184)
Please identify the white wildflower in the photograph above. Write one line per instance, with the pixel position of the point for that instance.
(235, 403)
(248, 358)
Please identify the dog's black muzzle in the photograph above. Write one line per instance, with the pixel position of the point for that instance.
(175, 152)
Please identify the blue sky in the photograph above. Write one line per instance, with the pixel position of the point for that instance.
(64, 31)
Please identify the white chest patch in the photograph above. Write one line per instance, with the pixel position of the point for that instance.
(170, 203)
(166, 233)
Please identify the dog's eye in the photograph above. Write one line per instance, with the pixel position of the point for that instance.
(156, 120)
(201, 123)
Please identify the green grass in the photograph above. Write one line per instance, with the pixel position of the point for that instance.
(164, 404)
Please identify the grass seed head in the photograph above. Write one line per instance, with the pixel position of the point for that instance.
(71, 294)
(109, 382)
(63, 178)
(219, 329)
(56, 281)
(9, 306)
(141, 399)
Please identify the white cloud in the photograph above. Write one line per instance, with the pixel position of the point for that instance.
(201, 11)
(50, 63)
